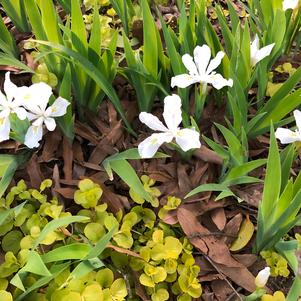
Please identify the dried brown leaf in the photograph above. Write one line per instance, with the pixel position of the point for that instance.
(68, 158)
(219, 218)
(208, 155)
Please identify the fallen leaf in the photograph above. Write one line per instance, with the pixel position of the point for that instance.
(66, 192)
(52, 144)
(252, 195)
(221, 289)
(246, 259)
(219, 218)
(183, 180)
(241, 276)
(232, 227)
(245, 233)
(208, 155)
(205, 241)
(68, 158)
(34, 172)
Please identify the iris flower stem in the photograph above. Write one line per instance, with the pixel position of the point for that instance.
(200, 99)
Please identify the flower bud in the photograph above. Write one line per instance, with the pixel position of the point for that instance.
(262, 277)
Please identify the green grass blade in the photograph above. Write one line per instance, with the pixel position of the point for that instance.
(278, 112)
(244, 169)
(8, 40)
(78, 29)
(284, 90)
(95, 74)
(35, 19)
(12, 61)
(206, 187)
(6, 213)
(55, 271)
(127, 173)
(72, 251)
(150, 48)
(272, 182)
(15, 10)
(294, 292)
(50, 21)
(57, 223)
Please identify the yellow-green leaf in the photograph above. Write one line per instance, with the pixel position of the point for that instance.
(244, 235)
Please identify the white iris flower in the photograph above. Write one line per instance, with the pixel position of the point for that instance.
(262, 277)
(186, 138)
(9, 104)
(287, 136)
(201, 69)
(289, 4)
(259, 54)
(40, 114)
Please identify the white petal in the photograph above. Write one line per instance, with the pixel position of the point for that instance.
(189, 64)
(172, 112)
(9, 87)
(184, 80)
(21, 113)
(4, 128)
(35, 97)
(287, 136)
(218, 82)
(215, 62)
(3, 100)
(188, 139)
(39, 121)
(31, 116)
(262, 277)
(148, 147)
(289, 4)
(202, 55)
(50, 124)
(253, 49)
(58, 108)
(297, 115)
(262, 53)
(33, 136)
(5, 112)
(152, 122)
(41, 93)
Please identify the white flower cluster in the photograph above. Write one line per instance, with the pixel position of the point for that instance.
(31, 103)
(200, 70)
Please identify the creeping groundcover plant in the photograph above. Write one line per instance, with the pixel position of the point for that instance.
(150, 150)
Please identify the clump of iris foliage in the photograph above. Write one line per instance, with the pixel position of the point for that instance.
(80, 48)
